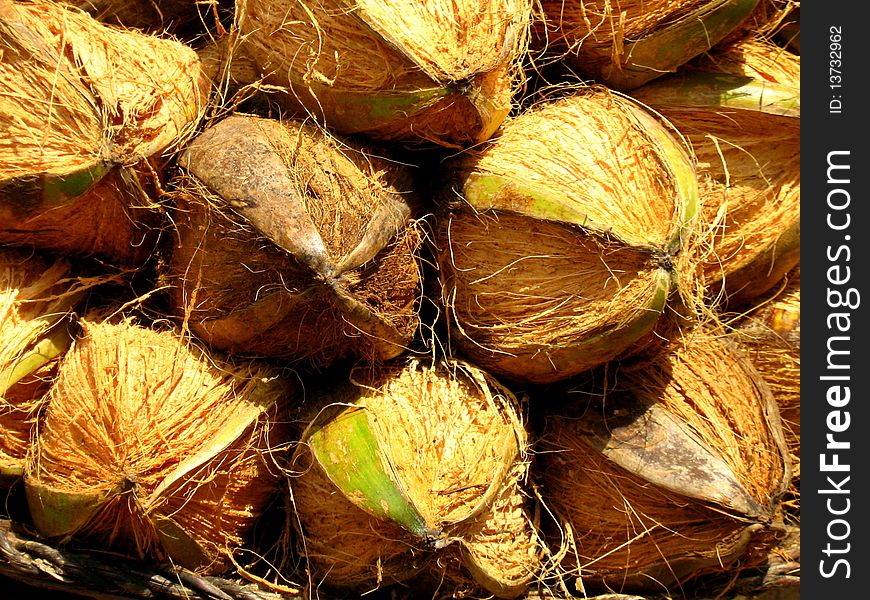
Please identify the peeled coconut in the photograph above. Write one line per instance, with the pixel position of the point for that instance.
(771, 336)
(38, 299)
(628, 43)
(87, 112)
(409, 463)
(673, 469)
(442, 71)
(560, 243)
(740, 109)
(153, 448)
(294, 244)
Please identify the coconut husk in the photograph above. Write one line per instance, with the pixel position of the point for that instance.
(624, 45)
(558, 243)
(770, 334)
(740, 109)
(673, 470)
(153, 16)
(294, 244)
(87, 112)
(153, 448)
(770, 20)
(441, 71)
(405, 462)
(38, 299)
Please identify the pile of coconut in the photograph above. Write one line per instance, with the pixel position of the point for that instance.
(388, 299)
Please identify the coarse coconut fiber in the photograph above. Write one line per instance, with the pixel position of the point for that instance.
(86, 113)
(560, 242)
(739, 107)
(628, 43)
(411, 463)
(153, 16)
(442, 71)
(294, 244)
(38, 296)
(674, 470)
(152, 448)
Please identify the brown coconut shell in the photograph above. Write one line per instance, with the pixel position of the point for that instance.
(673, 470)
(87, 112)
(558, 242)
(740, 109)
(626, 44)
(441, 71)
(294, 244)
(410, 463)
(155, 449)
(771, 335)
(38, 298)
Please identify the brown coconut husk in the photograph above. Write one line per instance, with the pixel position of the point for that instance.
(451, 448)
(770, 333)
(294, 244)
(38, 298)
(87, 113)
(155, 449)
(441, 71)
(674, 471)
(770, 20)
(748, 164)
(558, 243)
(153, 16)
(626, 44)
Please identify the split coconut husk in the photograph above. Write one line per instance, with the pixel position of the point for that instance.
(153, 16)
(443, 71)
(153, 448)
(294, 244)
(740, 109)
(559, 242)
(38, 299)
(405, 461)
(626, 44)
(673, 470)
(86, 112)
(771, 335)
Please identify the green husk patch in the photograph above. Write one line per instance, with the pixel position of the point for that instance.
(294, 244)
(559, 242)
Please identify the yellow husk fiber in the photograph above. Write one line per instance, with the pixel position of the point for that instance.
(77, 96)
(153, 448)
(749, 173)
(455, 446)
(37, 297)
(621, 531)
(540, 296)
(770, 333)
(440, 70)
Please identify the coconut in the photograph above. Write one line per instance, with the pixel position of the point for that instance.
(770, 20)
(559, 242)
(294, 244)
(629, 43)
(154, 448)
(407, 462)
(154, 16)
(770, 333)
(86, 112)
(442, 71)
(740, 109)
(672, 470)
(38, 297)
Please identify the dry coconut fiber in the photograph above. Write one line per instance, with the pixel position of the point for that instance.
(38, 299)
(406, 463)
(739, 107)
(628, 43)
(562, 241)
(153, 16)
(153, 448)
(443, 71)
(673, 469)
(87, 113)
(294, 244)
(771, 335)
